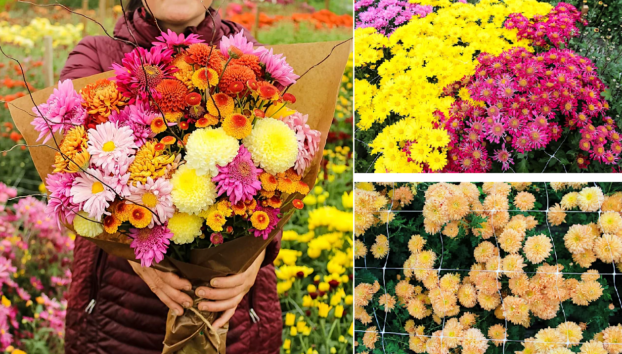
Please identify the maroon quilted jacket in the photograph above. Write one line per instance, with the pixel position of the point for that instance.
(111, 310)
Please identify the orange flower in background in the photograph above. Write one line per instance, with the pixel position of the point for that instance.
(239, 208)
(172, 95)
(237, 126)
(235, 73)
(203, 55)
(158, 125)
(267, 194)
(205, 78)
(260, 220)
(140, 217)
(291, 174)
(173, 117)
(220, 105)
(102, 97)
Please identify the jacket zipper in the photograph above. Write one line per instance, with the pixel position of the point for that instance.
(95, 283)
(251, 311)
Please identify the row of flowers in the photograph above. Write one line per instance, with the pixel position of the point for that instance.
(30, 35)
(450, 91)
(507, 266)
(34, 275)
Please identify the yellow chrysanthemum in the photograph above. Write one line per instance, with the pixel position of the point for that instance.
(75, 156)
(149, 162)
(85, 227)
(590, 199)
(593, 347)
(237, 126)
(209, 148)
(185, 227)
(570, 200)
(260, 220)
(192, 193)
(610, 222)
(204, 78)
(215, 220)
(273, 145)
(537, 248)
(571, 332)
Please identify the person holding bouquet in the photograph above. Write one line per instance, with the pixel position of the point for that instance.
(116, 306)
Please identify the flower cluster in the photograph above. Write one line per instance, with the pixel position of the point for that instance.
(386, 15)
(484, 263)
(34, 276)
(188, 140)
(519, 101)
(39, 27)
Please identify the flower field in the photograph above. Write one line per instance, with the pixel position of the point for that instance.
(528, 268)
(488, 86)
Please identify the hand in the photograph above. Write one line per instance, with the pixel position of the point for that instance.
(167, 287)
(227, 292)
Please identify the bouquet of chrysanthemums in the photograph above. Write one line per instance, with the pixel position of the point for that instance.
(179, 150)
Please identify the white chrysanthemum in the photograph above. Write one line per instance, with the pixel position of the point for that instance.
(83, 225)
(209, 148)
(273, 145)
(590, 199)
(185, 227)
(192, 193)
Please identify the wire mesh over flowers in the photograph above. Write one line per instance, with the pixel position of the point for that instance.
(488, 267)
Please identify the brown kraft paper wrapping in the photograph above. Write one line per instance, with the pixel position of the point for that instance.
(316, 95)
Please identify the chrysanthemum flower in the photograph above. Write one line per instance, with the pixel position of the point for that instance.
(513, 265)
(488, 301)
(537, 248)
(584, 259)
(174, 41)
(149, 162)
(111, 224)
(62, 110)
(87, 226)
(219, 105)
(95, 190)
(209, 148)
(485, 251)
(474, 341)
(273, 145)
(233, 74)
(380, 248)
(60, 202)
(524, 201)
(511, 240)
(416, 243)
(205, 78)
(578, 238)
(240, 178)
(467, 295)
(240, 42)
(497, 334)
(370, 338)
(387, 301)
(185, 227)
(556, 215)
(360, 250)
(590, 199)
(171, 96)
(140, 217)
(572, 332)
(74, 157)
(612, 337)
(237, 126)
(608, 248)
(610, 222)
(586, 292)
(192, 193)
(277, 68)
(308, 140)
(150, 244)
(156, 196)
(548, 339)
(570, 200)
(273, 215)
(593, 347)
(112, 148)
(102, 98)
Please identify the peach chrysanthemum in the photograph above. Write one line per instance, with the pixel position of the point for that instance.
(433, 211)
(501, 188)
(361, 315)
(524, 201)
(417, 343)
(578, 238)
(612, 337)
(380, 248)
(370, 337)
(416, 243)
(559, 186)
(456, 206)
(416, 308)
(467, 295)
(612, 203)
(548, 339)
(204, 55)
(590, 199)
(452, 332)
(184, 70)
(467, 320)
(363, 293)
(537, 248)
(520, 186)
(586, 292)
(488, 301)
(516, 310)
(511, 241)
(608, 248)
(560, 351)
(571, 332)
(360, 250)
(518, 224)
(451, 229)
(485, 251)
(470, 191)
(403, 196)
(584, 259)
(485, 230)
(387, 301)
(591, 274)
(570, 200)
(102, 98)
(513, 265)
(409, 327)
(497, 334)
(610, 222)
(496, 202)
(499, 219)
(593, 347)
(450, 282)
(556, 215)
(474, 342)
(518, 285)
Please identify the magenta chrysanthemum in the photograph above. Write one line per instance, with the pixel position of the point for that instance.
(308, 140)
(150, 244)
(62, 110)
(273, 214)
(93, 190)
(240, 42)
(239, 178)
(142, 71)
(112, 148)
(60, 203)
(137, 117)
(172, 40)
(277, 68)
(155, 195)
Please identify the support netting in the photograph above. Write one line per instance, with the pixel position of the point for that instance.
(549, 291)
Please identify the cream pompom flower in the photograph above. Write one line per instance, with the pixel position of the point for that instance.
(192, 193)
(209, 148)
(590, 199)
(273, 145)
(185, 227)
(86, 226)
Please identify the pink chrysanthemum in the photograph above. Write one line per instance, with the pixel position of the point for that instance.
(155, 195)
(150, 244)
(216, 238)
(172, 40)
(94, 190)
(141, 71)
(62, 110)
(240, 42)
(308, 140)
(239, 178)
(137, 117)
(273, 214)
(112, 148)
(277, 68)
(60, 203)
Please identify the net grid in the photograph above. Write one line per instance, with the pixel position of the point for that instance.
(383, 331)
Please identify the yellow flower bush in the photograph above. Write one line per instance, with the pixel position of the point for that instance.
(32, 34)
(401, 93)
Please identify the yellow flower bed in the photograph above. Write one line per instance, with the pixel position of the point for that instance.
(32, 34)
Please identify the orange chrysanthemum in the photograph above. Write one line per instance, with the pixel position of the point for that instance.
(102, 97)
(250, 61)
(302, 188)
(237, 126)
(158, 125)
(168, 140)
(286, 185)
(203, 55)
(260, 220)
(111, 224)
(298, 204)
(140, 217)
(206, 121)
(235, 73)
(268, 182)
(267, 194)
(74, 157)
(268, 91)
(219, 105)
(291, 174)
(122, 210)
(204, 78)
(184, 70)
(274, 202)
(172, 95)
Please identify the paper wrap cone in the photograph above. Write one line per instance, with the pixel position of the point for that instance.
(316, 95)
